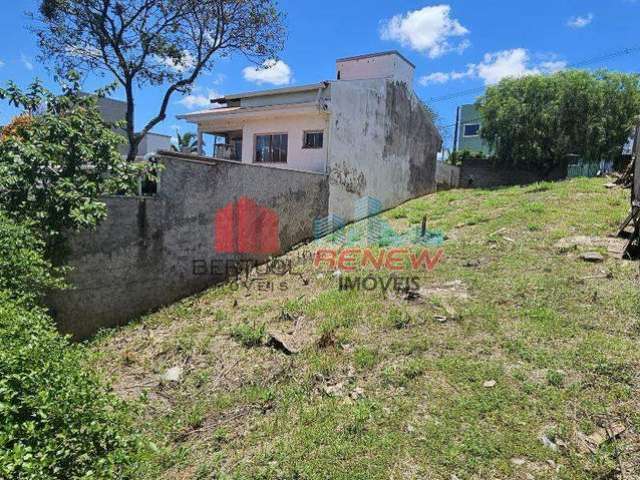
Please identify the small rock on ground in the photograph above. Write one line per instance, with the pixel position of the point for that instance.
(592, 257)
(173, 374)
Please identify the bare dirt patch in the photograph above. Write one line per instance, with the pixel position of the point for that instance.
(614, 246)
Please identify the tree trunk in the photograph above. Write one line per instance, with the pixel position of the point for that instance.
(134, 140)
(133, 148)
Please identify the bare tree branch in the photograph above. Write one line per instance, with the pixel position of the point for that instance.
(155, 42)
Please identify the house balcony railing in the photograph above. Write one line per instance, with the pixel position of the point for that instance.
(226, 152)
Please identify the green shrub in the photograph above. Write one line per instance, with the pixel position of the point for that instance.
(459, 157)
(535, 121)
(24, 273)
(56, 419)
(58, 422)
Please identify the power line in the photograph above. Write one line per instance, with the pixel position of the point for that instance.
(581, 63)
(590, 61)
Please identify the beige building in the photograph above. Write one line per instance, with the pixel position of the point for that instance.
(367, 129)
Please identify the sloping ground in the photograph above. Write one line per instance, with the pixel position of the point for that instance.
(514, 358)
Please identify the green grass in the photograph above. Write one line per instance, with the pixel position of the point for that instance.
(380, 388)
(249, 335)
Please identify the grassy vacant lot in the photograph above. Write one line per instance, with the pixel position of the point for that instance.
(509, 340)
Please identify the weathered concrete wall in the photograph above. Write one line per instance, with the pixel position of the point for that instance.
(447, 176)
(382, 144)
(142, 257)
(480, 173)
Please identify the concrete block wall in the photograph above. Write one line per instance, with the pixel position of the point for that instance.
(447, 176)
(480, 173)
(142, 257)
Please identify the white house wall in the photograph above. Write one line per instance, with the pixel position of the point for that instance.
(153, 142)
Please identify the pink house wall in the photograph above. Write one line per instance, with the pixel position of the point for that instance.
(298, 158)
(384, 66)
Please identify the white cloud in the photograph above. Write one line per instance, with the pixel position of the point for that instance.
(428, 30)
(193, 101)
(200, 98)
(26, 62)
(219, 79)
(184, 63)
(444, 77)
(553, 67)
(1, 64)
(495, 66)
(438, 77)
(271, 71)
(580, 21)
(507, 63)
(88, 51)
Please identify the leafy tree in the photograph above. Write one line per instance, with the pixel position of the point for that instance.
(186, 143)
(535, 121)
(156, 42)
(58, 158)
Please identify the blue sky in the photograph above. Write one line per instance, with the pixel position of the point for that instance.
(456, 46)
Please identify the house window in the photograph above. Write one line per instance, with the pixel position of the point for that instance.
(272, 148)
(471, 130)
(313, 140)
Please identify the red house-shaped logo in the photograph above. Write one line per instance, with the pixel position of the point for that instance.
(246, 227)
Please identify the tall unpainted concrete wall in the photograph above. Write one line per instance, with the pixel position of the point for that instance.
(142, 257)
(382, 144)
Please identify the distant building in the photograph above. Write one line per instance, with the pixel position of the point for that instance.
(113, 111)
(468, 128)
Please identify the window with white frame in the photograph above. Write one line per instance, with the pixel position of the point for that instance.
(272, 148)
(313, 139)
(471, 130)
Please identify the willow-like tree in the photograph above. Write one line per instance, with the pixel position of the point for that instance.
(536, 121)
(166, 43)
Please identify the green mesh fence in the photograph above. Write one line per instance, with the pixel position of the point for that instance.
(583, 170)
